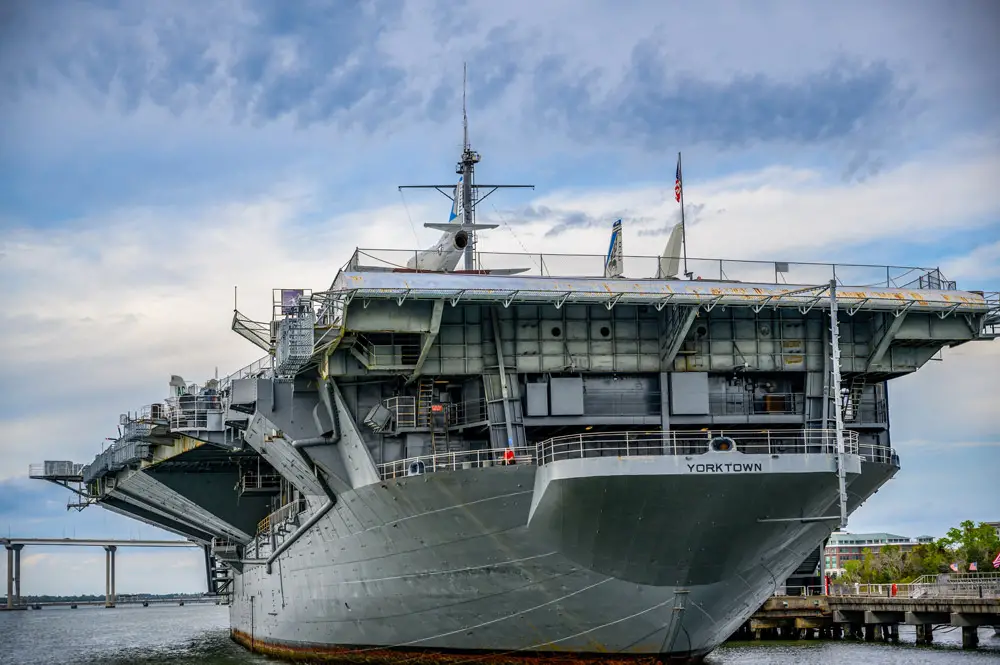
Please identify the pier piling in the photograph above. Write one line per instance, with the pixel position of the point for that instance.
(876, 618)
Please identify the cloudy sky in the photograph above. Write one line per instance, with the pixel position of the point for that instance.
(155, 155)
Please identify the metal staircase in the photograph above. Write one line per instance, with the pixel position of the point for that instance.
(220, 579)
(425, 397)
(851, 408)
(439, 441)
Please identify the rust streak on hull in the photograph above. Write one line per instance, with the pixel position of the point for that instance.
(319, 653)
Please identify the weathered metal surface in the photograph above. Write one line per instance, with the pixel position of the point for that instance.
(446, 561)
(380, 285)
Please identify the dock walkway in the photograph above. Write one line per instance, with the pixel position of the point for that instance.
(871, 617)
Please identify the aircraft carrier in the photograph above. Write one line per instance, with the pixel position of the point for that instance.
(531, 456)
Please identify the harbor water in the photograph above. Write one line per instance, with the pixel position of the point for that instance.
(195, 634)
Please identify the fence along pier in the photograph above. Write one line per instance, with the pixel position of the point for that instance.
(875, 611)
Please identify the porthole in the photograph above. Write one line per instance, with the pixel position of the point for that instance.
(605, 331)
(556, 331)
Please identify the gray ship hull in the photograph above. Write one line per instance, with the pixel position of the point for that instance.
(602, 558)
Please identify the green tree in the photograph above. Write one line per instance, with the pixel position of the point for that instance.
(970, 542)
(852, 573)
(926, 559)
(962, 545)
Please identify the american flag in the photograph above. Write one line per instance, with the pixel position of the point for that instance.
(677, 181)
(954, 566)
(973, 567)
(996, 561)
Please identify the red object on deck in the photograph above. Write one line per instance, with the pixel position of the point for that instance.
(508, 455)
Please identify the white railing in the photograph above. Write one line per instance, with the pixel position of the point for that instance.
(260, 368)
(224, 548)
(54, 469)
(406, 415)
(455, 461)
(798, 590)
(637, 267)
(657, 443)
(196, 412)
(404, 411)
(915, 590)
(875, 453)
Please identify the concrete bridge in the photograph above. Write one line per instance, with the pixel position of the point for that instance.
(15, 545)
(122, 600)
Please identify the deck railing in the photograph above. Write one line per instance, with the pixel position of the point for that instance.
(916, 590)
(455, 461)
(640, 444)
(657, 443)
(406, 416)
(196, 412)
(281, 515)
(258, 368)
(639, 267)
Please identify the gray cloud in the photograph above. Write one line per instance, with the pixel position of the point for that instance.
(327, 62)
(560, 221)
(313, 61)
(692, 215)
(563, 220)
(659, 108)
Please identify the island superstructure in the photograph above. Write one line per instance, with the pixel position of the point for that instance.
(530, 455)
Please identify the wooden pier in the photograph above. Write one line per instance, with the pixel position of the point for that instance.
(871, 617)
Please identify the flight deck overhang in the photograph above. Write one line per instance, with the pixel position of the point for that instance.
(507, 290)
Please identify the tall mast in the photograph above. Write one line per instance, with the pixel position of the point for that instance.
(471, 197)
(467, 168)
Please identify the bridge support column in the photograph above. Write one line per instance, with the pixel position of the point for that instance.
(14, 576)
(17, 574)
(109, 578)
(970, 637)
(10, 578)
(925, 633)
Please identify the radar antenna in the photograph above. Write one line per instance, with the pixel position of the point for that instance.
(470, 190)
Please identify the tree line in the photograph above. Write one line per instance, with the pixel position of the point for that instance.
(963, 545)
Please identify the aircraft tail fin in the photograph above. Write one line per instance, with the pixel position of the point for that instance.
(670, 262)
(457, 215)
(613, 261)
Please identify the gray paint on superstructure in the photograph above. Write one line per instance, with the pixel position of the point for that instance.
(215, 492)
(280, 454)
(122, 507)
(158, 497)
(590, 554)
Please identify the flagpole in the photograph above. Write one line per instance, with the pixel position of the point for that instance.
(680, 178)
